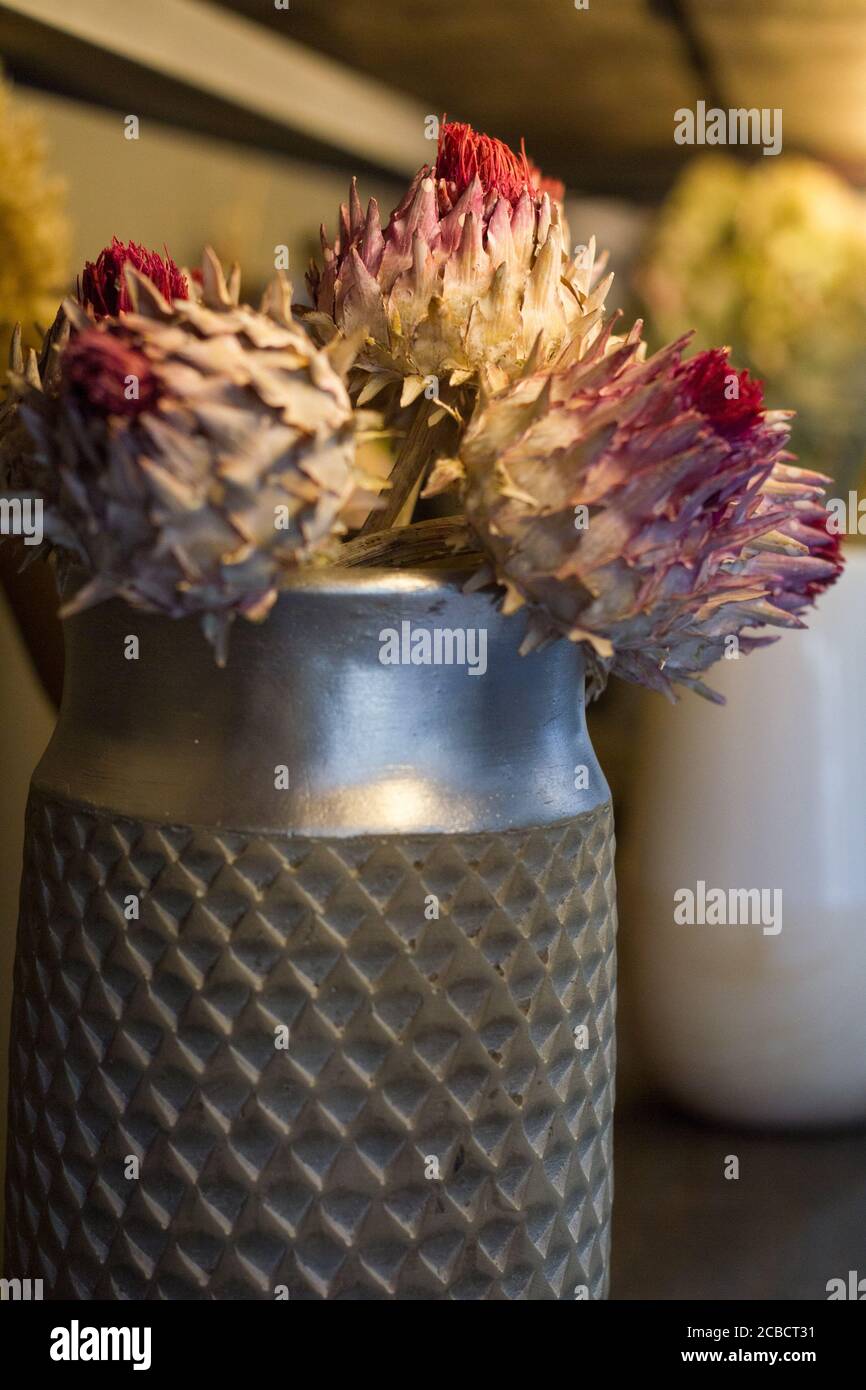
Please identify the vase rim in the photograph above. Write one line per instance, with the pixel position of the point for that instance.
(381, 579)
(448, 577)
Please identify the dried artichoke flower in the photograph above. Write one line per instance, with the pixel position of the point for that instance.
(473, 270)
(647, 509)
(192, 454)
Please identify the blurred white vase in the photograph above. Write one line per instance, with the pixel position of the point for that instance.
(766, 792)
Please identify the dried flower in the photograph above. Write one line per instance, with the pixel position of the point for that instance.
(190, 455)
(34, 236)
(104, 289)
(646, 509)
(473, 270)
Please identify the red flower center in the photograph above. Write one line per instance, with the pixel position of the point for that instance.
(731, 400)
(107, 376)
(464, 153)
(103, 285)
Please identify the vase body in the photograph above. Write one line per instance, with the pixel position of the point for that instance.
(742, 1024)
(314, 989)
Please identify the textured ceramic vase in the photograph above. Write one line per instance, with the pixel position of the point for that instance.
(350, 1037)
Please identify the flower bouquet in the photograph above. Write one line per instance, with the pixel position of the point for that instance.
(324, 934)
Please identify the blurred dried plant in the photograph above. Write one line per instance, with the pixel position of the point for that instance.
(34, 234)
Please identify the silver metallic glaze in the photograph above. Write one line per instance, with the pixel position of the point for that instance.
(370, 748)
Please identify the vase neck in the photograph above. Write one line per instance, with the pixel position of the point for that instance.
(368, 702)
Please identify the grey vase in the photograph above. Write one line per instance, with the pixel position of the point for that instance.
(348, 1038)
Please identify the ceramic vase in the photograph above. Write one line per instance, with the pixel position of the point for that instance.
(314, 992)
(760, 1022)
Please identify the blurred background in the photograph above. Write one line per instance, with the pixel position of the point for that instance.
(249, 119)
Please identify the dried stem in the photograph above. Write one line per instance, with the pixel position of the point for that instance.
(417, 450)
(426, 542)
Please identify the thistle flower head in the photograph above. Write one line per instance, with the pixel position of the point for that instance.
(190, 455)
(645, 508)
(472, 271)
(104, 289)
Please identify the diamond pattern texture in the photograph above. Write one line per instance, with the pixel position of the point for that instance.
(414, 1044)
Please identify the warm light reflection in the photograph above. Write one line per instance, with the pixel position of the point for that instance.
(402, 802)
